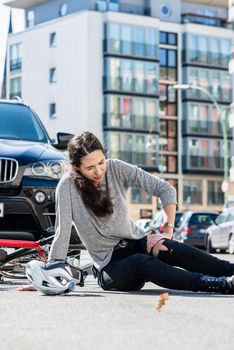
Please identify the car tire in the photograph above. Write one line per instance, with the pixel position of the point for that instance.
(209, 247)
(231, 244)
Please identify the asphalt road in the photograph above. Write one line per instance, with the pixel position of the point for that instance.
(91, 318)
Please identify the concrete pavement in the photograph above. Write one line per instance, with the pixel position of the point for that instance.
(91, 318)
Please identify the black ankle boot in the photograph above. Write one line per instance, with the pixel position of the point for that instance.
(224, 285)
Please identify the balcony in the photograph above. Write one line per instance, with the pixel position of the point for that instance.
(204, 20)
(205, 58)
(131, 85)
(134, 9)
(131, 121)
(201, 164)
(221, 95)
(146, 160)
(200, 127)
(130, 48)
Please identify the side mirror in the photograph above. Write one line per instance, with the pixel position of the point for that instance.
(63, 139)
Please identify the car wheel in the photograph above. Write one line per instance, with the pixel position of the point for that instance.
(231, 244)
(209, 247)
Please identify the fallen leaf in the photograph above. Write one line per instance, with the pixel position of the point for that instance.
(162, 301)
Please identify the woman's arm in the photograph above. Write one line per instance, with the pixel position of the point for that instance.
(63, 222)
(133, 176)
(169, 211)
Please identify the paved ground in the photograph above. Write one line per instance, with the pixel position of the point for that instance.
(90, 318)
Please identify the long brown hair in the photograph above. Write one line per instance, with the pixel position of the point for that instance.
(97, 200)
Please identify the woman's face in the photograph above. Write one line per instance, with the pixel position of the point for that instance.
(93, 166)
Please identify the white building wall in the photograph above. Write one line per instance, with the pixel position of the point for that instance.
(78, 60)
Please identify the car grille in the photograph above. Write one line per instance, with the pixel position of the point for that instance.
(8, 169)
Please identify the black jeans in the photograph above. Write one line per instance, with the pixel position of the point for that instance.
(178, 268)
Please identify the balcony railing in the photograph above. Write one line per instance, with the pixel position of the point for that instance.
(203, 127)
(15, 64)
(140, 158)
(205, 58)
(131, 85)
(132, 121)
(221, 95)
(130, 48)
(202, 19)
(134, 9)
(202, 163)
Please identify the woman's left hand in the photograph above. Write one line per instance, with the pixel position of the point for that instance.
(155, 240)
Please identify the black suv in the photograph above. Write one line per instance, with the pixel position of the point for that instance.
(30, 168)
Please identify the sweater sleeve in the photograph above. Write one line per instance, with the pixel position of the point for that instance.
(133, 176)
(63, 222)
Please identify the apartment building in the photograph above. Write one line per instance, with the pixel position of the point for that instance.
(110, 66)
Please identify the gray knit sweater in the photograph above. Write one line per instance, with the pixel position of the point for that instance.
(100, 235)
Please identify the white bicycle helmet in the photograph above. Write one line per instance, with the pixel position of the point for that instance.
(52, 278)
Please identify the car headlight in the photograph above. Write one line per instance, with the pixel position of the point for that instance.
(53, 169)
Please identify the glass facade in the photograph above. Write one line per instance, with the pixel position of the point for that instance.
(206, 50)
(136, 113)
(134, 148)
(215, 194)
(217, 82)
(201, 119)
(130, 84)
(203, 154)
(139, 196)
(131, 76)
(192, 192)
(168, 64)
(134, 41)
(168, 100)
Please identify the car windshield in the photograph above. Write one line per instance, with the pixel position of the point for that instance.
(17, 122)
(202, 218)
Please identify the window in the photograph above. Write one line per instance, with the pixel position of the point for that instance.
(215, 194)
(126, 36)
(53, 75)
(150, 42)
(137, 148)
(129, 75)
(131, 112)
(168, 100)
(114, 37)
(15, 56)
(168, 38)
(53, 39)
(138, 196)
(30, 18)
(15, 87)
(139, 41)
(52, 110)
(198, 121)
(63, 9)
(168, 64)
(107, 5)
(131, 40)
(192, 192)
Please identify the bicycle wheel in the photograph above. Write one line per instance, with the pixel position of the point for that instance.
(15, 268)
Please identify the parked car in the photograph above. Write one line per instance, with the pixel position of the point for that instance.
(30, 168)
(192, 227)
(143, 224)
(157, 222)
(220, 235)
